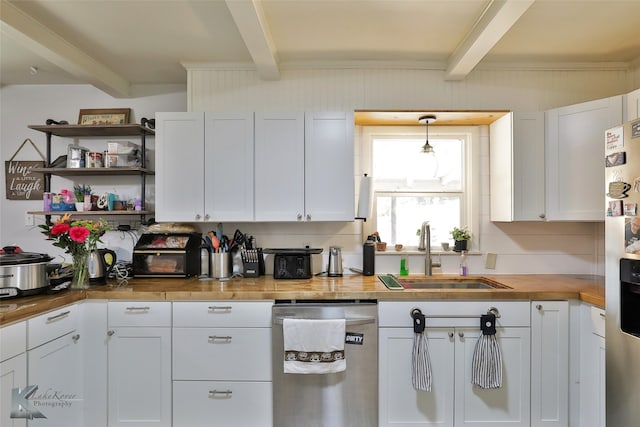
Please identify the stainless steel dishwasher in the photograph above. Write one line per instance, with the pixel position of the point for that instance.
(343, 399)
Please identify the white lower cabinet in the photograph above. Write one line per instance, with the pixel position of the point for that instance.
(453, 400)
(592, 369)
(222, 364)
(55, 364)
(549, 363)
(139, 363)
(13, 370)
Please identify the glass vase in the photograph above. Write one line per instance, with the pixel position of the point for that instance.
(80, 279)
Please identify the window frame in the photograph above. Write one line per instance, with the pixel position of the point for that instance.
(471, 171)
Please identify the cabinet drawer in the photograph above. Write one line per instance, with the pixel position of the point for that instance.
(222, 354)
(446, 314)
(13, 340)
(217, 403)
(52, 325)
(598, 321)
(139, 313)
(246, 314)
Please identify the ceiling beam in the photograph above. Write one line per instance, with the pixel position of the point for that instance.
(496, 19)
(252, 24)
(44, 42)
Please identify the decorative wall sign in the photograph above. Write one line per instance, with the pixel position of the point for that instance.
(616, 159)
(20, 181)
(105, 116)
(614, 138)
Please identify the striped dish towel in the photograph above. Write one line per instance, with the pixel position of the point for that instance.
(486, 367)
(421, 376)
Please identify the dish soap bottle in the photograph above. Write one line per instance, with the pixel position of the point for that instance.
(404, 266)
(463, 263)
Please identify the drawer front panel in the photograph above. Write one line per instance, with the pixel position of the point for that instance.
(13, 340)
(222, 354)
(245, 314)
(139, 313)
(217, 403)
(52, 325)
(456, 313)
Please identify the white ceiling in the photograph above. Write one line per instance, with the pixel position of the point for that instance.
(115, 43)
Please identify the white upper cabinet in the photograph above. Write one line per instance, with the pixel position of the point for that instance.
(228, 168)
(329, 170)
(633, 105)
(180, 167)
(304, 167)
(279, 171)
(574, 158)
(204, 167)
(516, 164)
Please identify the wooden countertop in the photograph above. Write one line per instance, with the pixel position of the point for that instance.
(530, 287)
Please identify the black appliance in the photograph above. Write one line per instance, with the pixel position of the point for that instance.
(293, 263)
(630, 296)
(167, 255)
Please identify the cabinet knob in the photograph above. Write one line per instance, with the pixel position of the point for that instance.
(542, 216)
(450, 334)
(299, 217)
(539, 307)
(461, 334)
(76, 337)
(110, 333)
(206, 217)
(308, 217)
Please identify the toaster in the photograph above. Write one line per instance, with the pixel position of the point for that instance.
(292, 263)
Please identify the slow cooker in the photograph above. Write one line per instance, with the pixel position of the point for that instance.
(22, 273)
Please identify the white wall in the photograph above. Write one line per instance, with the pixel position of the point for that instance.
(521, 247)
(21, 106)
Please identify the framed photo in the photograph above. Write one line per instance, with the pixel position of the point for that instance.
(108, 116)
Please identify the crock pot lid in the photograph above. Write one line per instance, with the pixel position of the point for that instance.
(23, 258)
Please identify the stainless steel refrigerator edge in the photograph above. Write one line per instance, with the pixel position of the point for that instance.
(343, 399)
(622, 348)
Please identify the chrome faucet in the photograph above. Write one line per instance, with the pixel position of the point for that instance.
(425, 245)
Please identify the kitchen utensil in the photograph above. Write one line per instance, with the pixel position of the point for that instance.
(334, 268)
(100, 264)
(22, 273)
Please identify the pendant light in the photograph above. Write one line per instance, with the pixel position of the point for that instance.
(427, 120)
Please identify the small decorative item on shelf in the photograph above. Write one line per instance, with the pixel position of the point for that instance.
(380, 245)
(77, 238)
(80, 191)
(461, 237)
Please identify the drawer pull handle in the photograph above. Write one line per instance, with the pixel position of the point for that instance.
(603, 315)
(76, 337)
(58, 316)
(226, 308)
(220, 393)
(138, 308)
(216, 338)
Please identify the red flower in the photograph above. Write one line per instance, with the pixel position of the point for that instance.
(79, 234)
(59, 229)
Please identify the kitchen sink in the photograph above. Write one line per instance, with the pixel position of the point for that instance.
(395, 282)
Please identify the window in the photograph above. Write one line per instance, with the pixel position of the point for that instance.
(410, 187)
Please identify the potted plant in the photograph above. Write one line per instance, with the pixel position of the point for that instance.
(80, 191)
(461, 236)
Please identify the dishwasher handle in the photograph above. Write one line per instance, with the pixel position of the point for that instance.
(349, 322)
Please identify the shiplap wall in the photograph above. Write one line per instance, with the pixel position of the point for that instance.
(521, 247)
